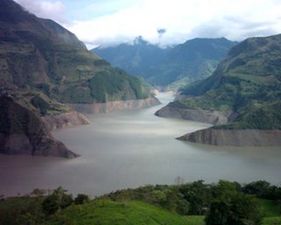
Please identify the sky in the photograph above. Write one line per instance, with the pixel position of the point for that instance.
(163, 22)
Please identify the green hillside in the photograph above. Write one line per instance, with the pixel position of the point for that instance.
(247, 83)
(196, 203)
(107, 212)
(39, 54)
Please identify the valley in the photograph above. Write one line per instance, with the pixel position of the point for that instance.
(140, 112)
(135, 148)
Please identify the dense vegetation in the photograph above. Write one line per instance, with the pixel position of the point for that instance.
(173, 66)
(247, 83)
(197, 203)
(106, 86)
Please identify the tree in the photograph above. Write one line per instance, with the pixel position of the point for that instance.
(50, 205)
(56, 201)
(218, 213)
(225, 189)
(65, 201)
(236, 209)
(81, 199)
(198, 195)
(38, 192)
(259, 188)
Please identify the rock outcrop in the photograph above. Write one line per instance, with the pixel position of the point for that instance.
(116, 105)
(64, 120)
(23, 132)
(200, 115)
(234, 137)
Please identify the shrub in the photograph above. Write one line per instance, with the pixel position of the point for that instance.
(234, 209)
(56, 201)
(81, 199)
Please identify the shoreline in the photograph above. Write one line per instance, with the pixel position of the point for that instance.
(113, 106)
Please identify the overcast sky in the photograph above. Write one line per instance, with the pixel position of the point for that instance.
(165, 22)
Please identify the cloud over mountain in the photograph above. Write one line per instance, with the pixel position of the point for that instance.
(110, 22)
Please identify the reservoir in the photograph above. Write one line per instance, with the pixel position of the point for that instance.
(135, 148)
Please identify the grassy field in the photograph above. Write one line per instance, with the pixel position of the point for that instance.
(272, 221)
(271, 212)
(107, 212)
(269, 208)
(195, 220)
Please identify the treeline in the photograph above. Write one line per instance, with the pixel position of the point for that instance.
(223, 203)
(38, 207)
(197, 194)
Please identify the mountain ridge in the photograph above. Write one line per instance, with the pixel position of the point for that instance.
(190, 61)
(39, 52)
(246, 87)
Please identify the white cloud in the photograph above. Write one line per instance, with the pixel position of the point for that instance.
(108, 22)
(45, 8)
(182, 19)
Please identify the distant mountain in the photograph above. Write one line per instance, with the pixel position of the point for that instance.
(136, 58)
(43, 65)
(245, 88)
(190, 61)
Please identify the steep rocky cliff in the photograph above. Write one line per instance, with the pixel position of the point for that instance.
(22, 132)
(235, 137)
(63, 120)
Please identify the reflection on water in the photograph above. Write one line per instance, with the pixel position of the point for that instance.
(133, 148)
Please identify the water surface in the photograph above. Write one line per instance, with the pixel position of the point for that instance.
(133, 148)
